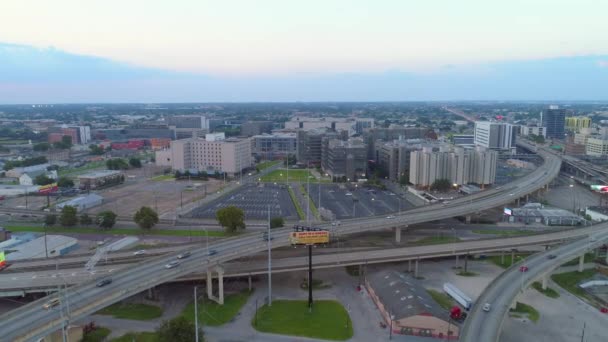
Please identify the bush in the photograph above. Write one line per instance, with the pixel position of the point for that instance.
(68, 216)
(277, 222)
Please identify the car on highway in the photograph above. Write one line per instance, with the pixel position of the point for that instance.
(51, 303)
(172, 264)
(266, 238)
(523, 268)
(184, 255)
(592, 239)
(212, 252)
(487, 307)
(390, 217)
(551, 256)
(104, 282)
(348, 194)
(139, 252)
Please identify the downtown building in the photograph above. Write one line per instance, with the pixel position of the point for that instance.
(554, 118)
(346, 160)
(188, 126)
(79, 134)
(459, 165)
(350, 125)
(495, 135)
(213, 154)
(373, 135)
(394, 156)
(309, 144)
(576, 123)
(274, 146)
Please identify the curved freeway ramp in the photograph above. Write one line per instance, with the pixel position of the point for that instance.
(30, 321)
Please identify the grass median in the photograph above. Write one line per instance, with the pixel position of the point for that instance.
(213, 314)
(526, 310)
(97, 335)
(569, 281)
(328, 319)
(549, 292)
(134, 311)
(296, 204)
(442, 299)
(116, 231)
(137, 337)
(434, 240)
(264, 165)
(281, 176)
(498, 260)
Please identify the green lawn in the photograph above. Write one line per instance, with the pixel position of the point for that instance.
(136, 311)
(296, 203)
(163, 178)
(435, 240)
(328, 319)
(212, 314)
(116, 231)
(98, 335)
(442, 299)
(280, 176)
(264, 165)
(137, 337)
(467, 274)
(496, 259)
(589, 257)
(570, 280)
(527, 310)
(549, 292)
(313, 208)
(503, 232)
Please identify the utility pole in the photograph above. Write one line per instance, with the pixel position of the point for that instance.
(196, 315)
(268, 238)
(308, 194)
(310, 278)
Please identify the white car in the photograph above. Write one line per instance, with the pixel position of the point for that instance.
(348, 194)
(390, 217)
(172, 264)
(487, 307)
(139, 252)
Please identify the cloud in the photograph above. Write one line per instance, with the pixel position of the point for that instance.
(603, 64)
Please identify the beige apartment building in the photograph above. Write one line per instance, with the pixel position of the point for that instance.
(214, 153)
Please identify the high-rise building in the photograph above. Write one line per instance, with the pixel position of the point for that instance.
(251, 128)
(310, 144)
(460, 166)
(533, 130)
(494, 135)
(212, 154)
(394, 156)
(575, 123)
(344, 159)
(390, 134)
(554, 118)
(188, 121)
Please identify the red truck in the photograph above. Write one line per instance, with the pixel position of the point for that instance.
(457, 314)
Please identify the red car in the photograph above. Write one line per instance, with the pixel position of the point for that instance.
(523, 268)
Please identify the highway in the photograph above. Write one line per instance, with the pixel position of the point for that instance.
(50, 279)
(30, 321)
(485, 326)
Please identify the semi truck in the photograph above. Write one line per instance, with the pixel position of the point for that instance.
(458, 295)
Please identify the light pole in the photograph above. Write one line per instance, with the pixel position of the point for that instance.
(196, 315)
(373, 209)
(390, 332)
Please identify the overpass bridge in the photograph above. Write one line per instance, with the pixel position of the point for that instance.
(30, 321)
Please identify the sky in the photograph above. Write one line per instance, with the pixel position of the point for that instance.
(277, 50)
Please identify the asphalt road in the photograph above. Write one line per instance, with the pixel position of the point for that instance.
(30, 321)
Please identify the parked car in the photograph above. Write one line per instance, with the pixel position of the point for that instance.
(183, 255)
(104, 282)
(390, 217)
(172, 264)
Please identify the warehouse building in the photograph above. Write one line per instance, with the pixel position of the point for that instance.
(407, 307)
(546, 216)
(54, 245)
(82, 202)
(98, 179)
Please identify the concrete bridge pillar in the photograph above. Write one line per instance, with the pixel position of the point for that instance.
(457, 257)
(416, 269)
(220, 281)
(606, 256)
(518, 201)
(581, 262)
(468, 219)
(513, 305)
(397, 234)
(544, 282)
(502, 257)
(512, 257)
(409, 265)
(209, 284)
(527, 198)
(249, 282)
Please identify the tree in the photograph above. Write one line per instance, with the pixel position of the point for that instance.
(231, 218)
(178, 329)
(43, 180)
(65, 143)
(96, 149)
(441, 185)
(106, 219)
(85, 219)
(68, 216)
(65, 182)
(145, 218)
(404, 179)
(43, 146)
(277, 222)
(117, 164)
(135, 162)
(50, 219)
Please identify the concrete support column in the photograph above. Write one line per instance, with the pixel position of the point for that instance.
(502, 257)
(527, 198)
(518, 200)
(468, 219)
(220, 283)
(457, 257)
(581, 262)
(409, 265)
(514, 304)
(416, 269)
(512, 257)
(249, 281)
(209, 284)
(397, 234)
(544, 282)
(606, 256)
(597, 252)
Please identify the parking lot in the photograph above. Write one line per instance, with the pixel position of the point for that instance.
(343, 200)
(254, 200)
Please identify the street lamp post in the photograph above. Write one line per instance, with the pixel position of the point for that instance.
(196, 315)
